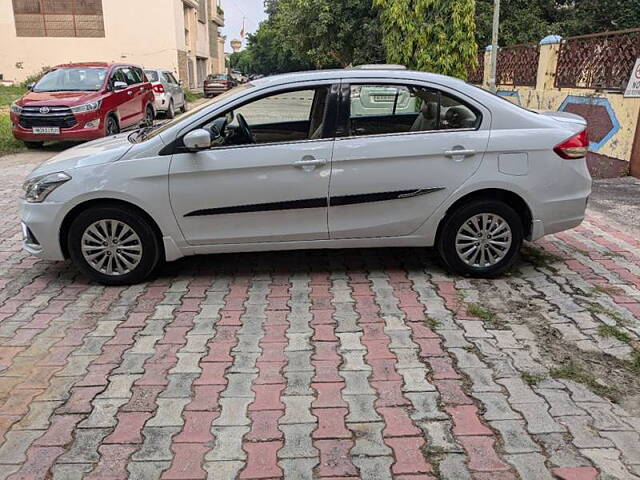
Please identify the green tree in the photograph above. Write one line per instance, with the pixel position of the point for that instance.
(331, 33)
(432, 35)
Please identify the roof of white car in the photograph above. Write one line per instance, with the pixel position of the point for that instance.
(350, 73)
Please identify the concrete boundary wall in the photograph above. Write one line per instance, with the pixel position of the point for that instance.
(613, 119)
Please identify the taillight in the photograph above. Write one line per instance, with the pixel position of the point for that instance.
(575, 147)
(159, 88)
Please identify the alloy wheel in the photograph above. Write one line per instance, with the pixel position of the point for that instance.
(483, 240)
(111, 247)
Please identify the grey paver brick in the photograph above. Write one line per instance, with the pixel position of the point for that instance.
(297, 441)
(515, 437)
(530, 465)
(453, 467)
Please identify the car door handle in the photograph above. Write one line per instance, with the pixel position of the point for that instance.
(307, 163)
(129, 92)
(458, 154)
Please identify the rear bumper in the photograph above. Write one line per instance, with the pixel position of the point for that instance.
(161, 102)
(211, 90)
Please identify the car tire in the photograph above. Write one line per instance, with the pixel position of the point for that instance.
(149, 116)
(111, 126)
(33, 144)
(120, 246)
(171, 110)
(481, 238)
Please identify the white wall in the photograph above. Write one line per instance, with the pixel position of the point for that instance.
(144, 32)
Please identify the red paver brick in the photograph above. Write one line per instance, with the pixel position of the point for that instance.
(269, 373)
(274, 334)
(408, 453)
(389, 394)
(230, 317)
(220, 352)
(377, 349)
(326, 351)
(322, 317)
(576, 473)
(175, 335)
(273, 352)
(466, 421)
(143, 399)
(60, 431)
(129, 427)
(331, 423)
(197, 427)
(212, 374)
(327, 371)
(186, 464)
(429, 347)
(97, 375)
(328, 395)
(482, 455)
(324, 333)
(264, 426)
(267, 397)
(334, 458)
(397, 422)
(420, 330)
(262, 460)
(451, 392)
(80, 400)
(384, 369)
(205, 398)
(39, 460)
(443, 368)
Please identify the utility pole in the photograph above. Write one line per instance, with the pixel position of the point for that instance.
(494, 45)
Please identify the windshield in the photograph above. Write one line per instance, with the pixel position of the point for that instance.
(150, 132)
(220, 76)
(72, 80)
(152, 75)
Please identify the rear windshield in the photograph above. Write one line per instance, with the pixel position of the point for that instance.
(152, 75)
(72, 80)
(220, 76)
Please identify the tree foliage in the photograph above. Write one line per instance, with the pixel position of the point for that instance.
(528, 21)
(433, 35)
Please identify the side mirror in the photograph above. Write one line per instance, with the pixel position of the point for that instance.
(117, 86)
(30, 85)
(197, 140)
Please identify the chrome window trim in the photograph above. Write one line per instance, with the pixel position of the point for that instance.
(397, 134)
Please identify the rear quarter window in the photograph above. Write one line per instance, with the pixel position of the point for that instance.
(152, 75)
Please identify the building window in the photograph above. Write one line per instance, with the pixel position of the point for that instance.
(58, 18)
(202, 11)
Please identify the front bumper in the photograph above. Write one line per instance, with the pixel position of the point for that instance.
(41, 229)
(79, 132)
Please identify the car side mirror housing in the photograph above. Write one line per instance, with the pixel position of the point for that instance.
(196, 140)
(117, 86)
(30, 85)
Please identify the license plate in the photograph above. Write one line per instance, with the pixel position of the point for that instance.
(46, 130)
(383, 98)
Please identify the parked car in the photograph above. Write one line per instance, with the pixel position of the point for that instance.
(168, 92)
(254, 170)
(82, 101)
(218, 83)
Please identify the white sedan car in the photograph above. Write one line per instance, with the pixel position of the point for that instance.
(287, 162)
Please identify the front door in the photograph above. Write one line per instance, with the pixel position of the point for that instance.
(404, 149)
(268, 181)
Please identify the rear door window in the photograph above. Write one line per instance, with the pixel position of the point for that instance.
(130, 76)
(152, 75)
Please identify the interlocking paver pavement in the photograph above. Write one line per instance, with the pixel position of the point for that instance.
(372, 364)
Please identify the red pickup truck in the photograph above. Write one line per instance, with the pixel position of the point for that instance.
(83, 101)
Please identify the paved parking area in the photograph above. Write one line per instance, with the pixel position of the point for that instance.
(371, 364)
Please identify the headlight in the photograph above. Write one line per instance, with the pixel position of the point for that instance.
(87, 107)
(37, 189)
(16, 108)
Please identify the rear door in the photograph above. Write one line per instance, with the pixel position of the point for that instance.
(174, 88)
(404, 148)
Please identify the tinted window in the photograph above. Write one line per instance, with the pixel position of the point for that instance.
(130, 75)
(172, 78)
(383, 109)
(152, 75)
(72, 79)
(139, 74)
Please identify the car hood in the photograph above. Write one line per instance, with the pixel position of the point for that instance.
(57, 98)
(97, 152)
